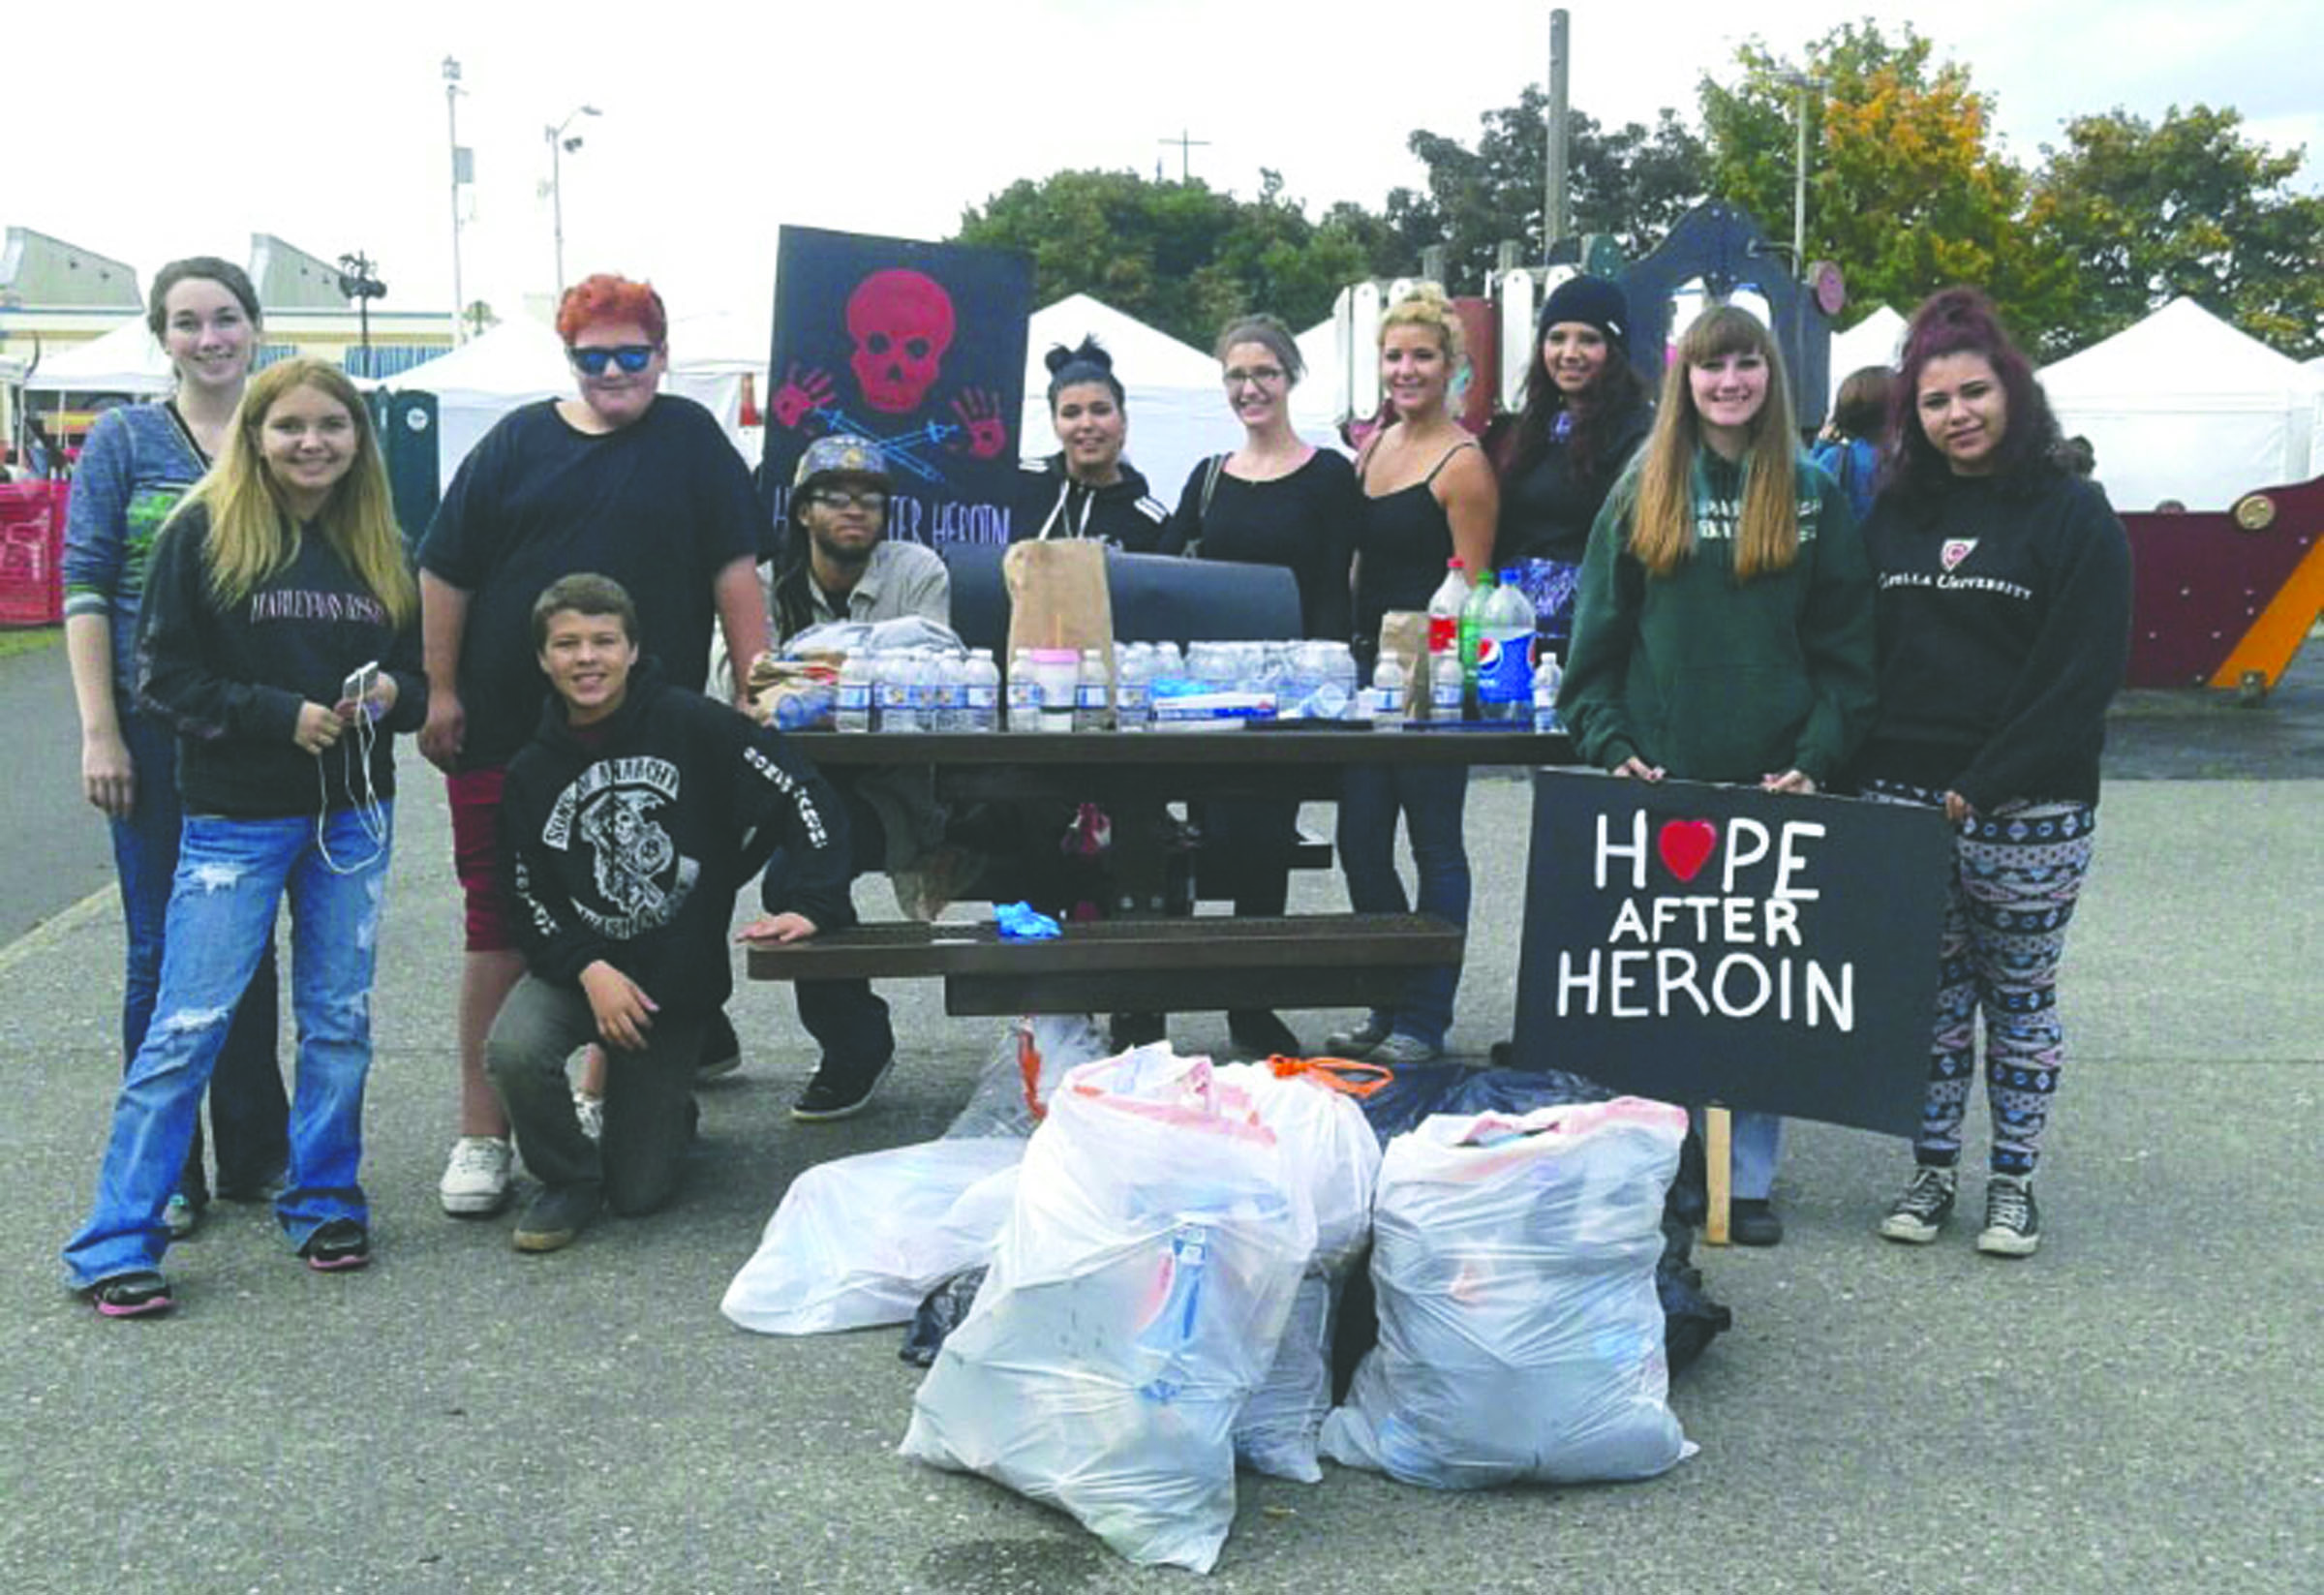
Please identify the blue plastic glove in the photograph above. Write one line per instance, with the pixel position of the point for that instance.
(1021, 922)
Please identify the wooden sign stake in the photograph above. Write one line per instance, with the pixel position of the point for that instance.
(1716, 1131)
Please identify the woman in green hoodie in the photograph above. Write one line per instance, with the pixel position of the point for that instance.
(1723, 627)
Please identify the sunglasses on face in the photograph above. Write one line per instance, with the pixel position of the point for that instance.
(630, 358)
(861, 498)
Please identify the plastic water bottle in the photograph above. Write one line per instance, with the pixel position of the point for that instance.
(1025, 693)
(1134, 667)
(1387, 695)
(1089, 693)
(1505, 653)
(899, 711)
(1471, 635)
(980, 692)
(851, 709)
(1546, 676)
(1444, 641)
(948, 693)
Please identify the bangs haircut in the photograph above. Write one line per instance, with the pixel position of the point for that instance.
(589, 594)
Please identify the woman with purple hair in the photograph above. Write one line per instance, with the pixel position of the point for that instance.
(2004, 630)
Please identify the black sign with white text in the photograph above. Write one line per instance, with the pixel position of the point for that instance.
(1701, 943)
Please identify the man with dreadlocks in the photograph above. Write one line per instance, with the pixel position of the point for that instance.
(840, 564)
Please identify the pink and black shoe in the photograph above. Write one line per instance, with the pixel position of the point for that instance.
(143, 1294)
(338, 1245)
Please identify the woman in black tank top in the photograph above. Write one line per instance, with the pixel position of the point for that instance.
(1428, 496)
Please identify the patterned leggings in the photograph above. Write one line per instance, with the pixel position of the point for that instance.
(2016, 875)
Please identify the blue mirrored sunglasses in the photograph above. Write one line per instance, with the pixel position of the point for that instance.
(630, 358)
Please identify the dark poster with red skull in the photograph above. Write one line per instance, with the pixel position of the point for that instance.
(1722, 944)
(918, 347)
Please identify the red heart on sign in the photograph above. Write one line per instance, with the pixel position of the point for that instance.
(1686, 846)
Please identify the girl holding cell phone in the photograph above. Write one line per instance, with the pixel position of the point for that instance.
(281, 576)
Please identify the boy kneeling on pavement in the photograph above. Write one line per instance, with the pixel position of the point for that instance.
(627, 824)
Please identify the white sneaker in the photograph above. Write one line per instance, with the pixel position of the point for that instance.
(591, 1110)
(476, 1182)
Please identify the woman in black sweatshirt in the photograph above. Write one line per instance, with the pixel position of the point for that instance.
(280, 637)
(2003, 629)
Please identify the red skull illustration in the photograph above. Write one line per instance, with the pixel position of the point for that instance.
(901, 323)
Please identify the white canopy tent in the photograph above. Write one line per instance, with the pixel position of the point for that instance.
(125, 361)
(2184, 405)
(522, 361)
(2311, 378)
(1876, 340)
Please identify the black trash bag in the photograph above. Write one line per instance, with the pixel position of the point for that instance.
(1690, 1319)
(939, 1314)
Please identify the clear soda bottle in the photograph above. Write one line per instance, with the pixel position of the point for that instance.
(1505, 653)
(1444, 641)
(1472, 634)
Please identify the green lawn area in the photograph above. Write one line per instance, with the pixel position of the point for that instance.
(30, 640)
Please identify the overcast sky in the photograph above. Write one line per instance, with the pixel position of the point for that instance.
(172, 128)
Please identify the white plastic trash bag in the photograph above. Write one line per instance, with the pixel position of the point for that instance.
(1033, 1054)
(1327, 1145)
(1520, 1337)
(860, 1240)
(1134, 1303)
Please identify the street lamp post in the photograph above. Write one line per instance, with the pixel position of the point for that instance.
(559, 143)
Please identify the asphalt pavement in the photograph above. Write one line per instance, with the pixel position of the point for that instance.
(2136, 1409)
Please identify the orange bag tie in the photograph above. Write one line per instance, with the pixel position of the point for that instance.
(1340, 1074)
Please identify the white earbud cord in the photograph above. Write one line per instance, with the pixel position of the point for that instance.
(369, 816)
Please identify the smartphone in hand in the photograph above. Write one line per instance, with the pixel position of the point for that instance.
(356, 689)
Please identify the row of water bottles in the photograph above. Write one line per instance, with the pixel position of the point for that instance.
(918, 690)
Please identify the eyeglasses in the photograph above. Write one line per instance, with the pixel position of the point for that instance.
(630, 358)
(1266, 375)
(863, 498)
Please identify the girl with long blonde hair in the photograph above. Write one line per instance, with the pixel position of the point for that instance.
(1723, 627)
(280, 638)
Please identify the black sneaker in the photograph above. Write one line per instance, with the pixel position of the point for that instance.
(143, 1294)
(722, 1049)
(340, 1245)
(1917, 1215)
(2012, 1222)
(557, 1217)
(1750, 1221)
(839, 1093)
(1259, 1032)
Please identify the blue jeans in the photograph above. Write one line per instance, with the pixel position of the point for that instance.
(1431, 798)
(231, 876)
(247, 1111)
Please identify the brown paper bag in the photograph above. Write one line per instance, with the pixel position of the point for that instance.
(1058, 598)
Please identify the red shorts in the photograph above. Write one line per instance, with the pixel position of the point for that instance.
(475, 796)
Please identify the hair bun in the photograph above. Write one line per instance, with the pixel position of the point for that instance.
(1090, 352)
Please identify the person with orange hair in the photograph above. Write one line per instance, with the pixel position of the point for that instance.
(618, 478)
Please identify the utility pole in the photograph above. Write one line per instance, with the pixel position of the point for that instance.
(1185, 145)
(1554, 218)
(463, 172)
(356, 282)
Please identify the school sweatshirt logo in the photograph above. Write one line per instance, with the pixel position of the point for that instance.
(1954, 551)
(641, 878)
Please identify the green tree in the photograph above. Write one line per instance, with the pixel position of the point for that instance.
(1906, 188)
(2190, 205)
(1632, 182)
(1181, 256)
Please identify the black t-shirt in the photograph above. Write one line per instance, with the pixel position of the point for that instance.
(1304, 521)
(662, 506)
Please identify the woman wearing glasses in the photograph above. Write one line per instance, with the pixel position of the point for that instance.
(620, 479)
(1277, 500)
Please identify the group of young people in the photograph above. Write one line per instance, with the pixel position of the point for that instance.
(247, 636)
(1930, 610)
